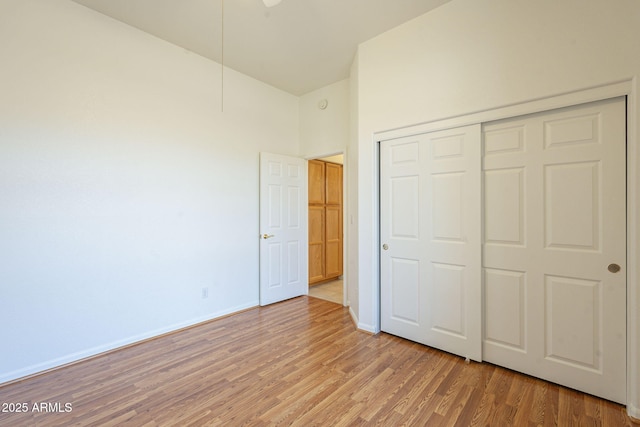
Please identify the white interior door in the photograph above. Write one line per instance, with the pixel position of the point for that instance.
(283, 228)
(430, 228)
(554, 227)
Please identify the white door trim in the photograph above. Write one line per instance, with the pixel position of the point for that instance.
(622, 88)
(626, 88)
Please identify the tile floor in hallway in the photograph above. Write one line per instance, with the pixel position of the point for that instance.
(330, 291)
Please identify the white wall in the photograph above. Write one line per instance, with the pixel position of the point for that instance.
(469, 56)
(324, 132)
(123, 188)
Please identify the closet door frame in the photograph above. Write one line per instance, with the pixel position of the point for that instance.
(625, 88)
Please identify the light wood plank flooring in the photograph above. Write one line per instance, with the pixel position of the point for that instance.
(300, 362)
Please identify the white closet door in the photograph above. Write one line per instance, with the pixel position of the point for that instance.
(430, 194)
(554, 226)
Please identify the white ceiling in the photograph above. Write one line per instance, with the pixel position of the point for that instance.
(297, 46)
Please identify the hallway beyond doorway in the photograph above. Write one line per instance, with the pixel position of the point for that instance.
(330, 291)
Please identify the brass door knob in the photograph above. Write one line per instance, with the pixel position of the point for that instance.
(614, 268)
(267, 236)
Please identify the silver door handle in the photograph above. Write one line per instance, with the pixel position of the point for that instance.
(267, 236)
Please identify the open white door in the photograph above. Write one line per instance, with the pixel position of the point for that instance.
(283, 228)
(430, 227)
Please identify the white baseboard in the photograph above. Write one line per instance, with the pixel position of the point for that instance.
(354, 318)
(633, 412)
(362, 326)
(94, 351)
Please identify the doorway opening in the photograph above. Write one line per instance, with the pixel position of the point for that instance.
(326, 228)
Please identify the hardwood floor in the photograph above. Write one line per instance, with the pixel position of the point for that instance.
(300, 362)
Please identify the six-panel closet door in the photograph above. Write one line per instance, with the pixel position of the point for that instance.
(555, 246)
(430, 226)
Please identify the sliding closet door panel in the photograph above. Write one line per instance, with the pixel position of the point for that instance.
(430, 235)
(453, 195)
(403, 256)
(554, 220)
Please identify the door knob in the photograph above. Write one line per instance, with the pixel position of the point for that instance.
(385, 246)
(614, 268)
(267, 236)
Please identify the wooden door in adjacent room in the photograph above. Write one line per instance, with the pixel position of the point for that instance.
(325, 221)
